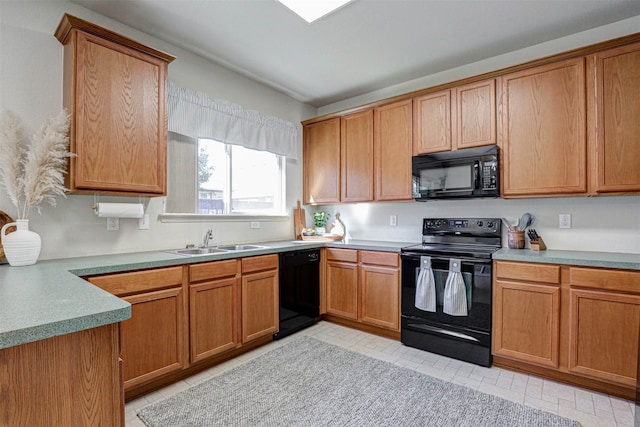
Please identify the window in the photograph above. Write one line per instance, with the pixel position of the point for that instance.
(208, 177)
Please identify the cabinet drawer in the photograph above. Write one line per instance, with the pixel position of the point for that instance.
(347, 255)
(614, 280)
(379, 258)
(259, 263)
(139, 281)
(528, 272)
(213, 270)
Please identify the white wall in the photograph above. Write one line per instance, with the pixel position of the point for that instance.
(31, 86)
(607, 224)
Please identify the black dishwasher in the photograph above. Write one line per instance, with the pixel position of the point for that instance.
(299, 283)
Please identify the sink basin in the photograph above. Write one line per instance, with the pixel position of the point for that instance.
(198, 251)
(239, 247)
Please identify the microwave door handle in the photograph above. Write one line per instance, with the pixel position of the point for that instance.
(476, 175)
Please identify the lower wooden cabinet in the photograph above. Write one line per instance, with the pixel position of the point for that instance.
(576, 324)
(526, 313)
(259, 297)
(75, 377)
(364, 286)
(154, 338)
(214, 299)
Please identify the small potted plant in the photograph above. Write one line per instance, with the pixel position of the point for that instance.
(320, 219)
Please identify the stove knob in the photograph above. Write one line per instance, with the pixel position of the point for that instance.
(490, 224)
(480, 223)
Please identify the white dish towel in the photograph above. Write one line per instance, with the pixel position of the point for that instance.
(425, 286)
(455, 291)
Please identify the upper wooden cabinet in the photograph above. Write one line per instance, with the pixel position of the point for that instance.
(115, 90)
(392, 151)
(544, 145)
(321, 162)
(432, 123)
(359, 157)
(462, 117)
(617, 113)
(356, 149)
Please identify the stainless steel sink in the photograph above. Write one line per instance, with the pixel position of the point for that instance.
(239, 247)
(198, 251)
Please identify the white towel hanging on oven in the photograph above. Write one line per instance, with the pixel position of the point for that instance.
(425, 286)
(455, 291)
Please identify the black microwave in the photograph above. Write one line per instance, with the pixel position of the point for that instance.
(466, 173)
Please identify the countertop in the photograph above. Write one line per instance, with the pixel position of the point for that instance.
(50, 298)
(590, 259)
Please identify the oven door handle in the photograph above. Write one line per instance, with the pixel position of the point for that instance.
(417, 255)
(441, 331)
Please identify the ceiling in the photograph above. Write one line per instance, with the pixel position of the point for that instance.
(364, 46)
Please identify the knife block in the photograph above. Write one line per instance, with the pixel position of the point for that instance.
(538, 245)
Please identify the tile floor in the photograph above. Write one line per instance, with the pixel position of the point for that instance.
(591, 409)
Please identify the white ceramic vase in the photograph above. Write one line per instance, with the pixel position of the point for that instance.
(22, 247)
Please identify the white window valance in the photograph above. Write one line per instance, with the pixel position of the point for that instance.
(196, 115)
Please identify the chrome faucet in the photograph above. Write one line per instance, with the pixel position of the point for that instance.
(207, 236)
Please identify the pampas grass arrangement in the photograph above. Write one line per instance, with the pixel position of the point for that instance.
(33, 174)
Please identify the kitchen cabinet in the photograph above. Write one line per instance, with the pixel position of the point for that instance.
(452, 119)
(575, 324)
(604, 324)
(259, 297)
(75, 378)
(392, 147)
(342, 282)
(364, 286)
(616, 107)
(115, 90)
(321, 162)
(526, 314)
(432, 123)
(214, 308)
(544, 145)
(380, 289)
(356, 148)
(154, 339)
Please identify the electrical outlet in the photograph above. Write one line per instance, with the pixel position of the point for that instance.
(565, 220)
(255, 224)
(393, 220)
(113, 224)
(143, 223)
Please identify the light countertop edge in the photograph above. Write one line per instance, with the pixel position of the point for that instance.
(580, 258)
(50, 298)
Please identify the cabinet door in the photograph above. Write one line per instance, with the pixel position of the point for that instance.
(321, 162)
(356, 148)
(213, 317)
(617, 110)
(475, 114)
(120, 124)
(432, 123)
(603, 337)
(526, 322)
(544, 130)
(380, 296)
(259, 304)
(153, 339)
(342, 289)
(392, 151)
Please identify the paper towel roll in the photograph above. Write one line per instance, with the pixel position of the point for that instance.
(119, 210)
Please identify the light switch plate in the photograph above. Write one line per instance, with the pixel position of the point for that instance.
(393, 220)
(113, 224)
(565, 220)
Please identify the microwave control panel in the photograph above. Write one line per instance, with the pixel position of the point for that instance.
(489, 175)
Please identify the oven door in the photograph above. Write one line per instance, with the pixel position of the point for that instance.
(477, 278)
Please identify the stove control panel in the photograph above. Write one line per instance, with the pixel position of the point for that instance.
(457, 225)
